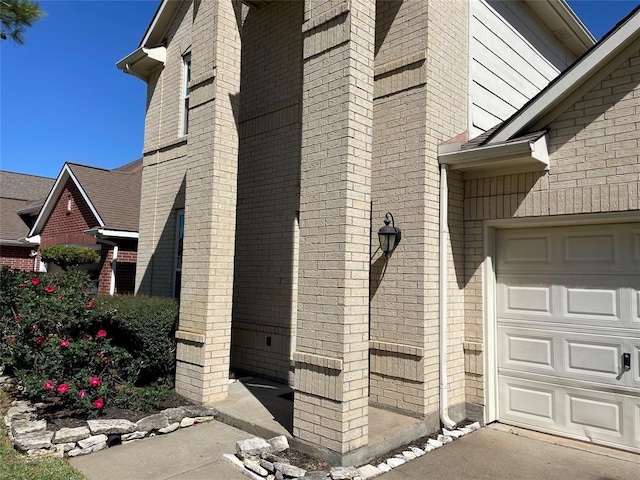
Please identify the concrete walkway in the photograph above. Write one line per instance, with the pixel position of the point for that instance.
(495, 454)
(192, 453)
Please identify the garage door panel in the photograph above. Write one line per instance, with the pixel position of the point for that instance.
(568, 310)
(600, 360)
(524, 350)
(588, 248)
(591, 413)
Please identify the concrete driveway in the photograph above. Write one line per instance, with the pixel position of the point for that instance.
(494, 453)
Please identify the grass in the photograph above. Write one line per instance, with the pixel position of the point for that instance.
(15, 466)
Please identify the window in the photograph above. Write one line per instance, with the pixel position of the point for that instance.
(186, 69)
(177, 277)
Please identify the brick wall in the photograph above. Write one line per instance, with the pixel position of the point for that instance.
(420, 101)
(17, 257)
(66, 225)
(594, 168)
(265, 290)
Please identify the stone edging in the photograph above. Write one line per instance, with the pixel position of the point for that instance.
(31, 436)
(256, 458)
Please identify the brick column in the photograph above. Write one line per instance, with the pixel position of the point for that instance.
(204, 332)
(331, 399)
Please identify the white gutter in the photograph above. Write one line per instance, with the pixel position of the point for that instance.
(114, 266)
(527, 152)
(101, 233)
(140, 62)
(444, 231)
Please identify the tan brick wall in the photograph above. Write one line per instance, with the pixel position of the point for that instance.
(337, 118)
(420, 101)
(165, 164)
(265, 292)
(594, 168)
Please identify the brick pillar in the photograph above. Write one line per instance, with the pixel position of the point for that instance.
(331, 378)
(204, 332)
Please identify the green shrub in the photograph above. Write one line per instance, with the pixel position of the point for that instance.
(54, 343)
(66, 256)
(145, 326)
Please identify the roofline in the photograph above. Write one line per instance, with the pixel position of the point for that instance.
(619, 38)
(55, 193)
(528, 154)
(102, 233)
(142, 61)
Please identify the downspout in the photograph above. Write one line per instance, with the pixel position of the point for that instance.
(443, 280)
(114, 265)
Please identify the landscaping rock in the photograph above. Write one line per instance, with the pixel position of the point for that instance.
(20, 427)
(44, 452)
(317, 476)
(255, 467)
(252, 447)
(418, 451)
(152, 422)
(98, 446)
(474, 426)
(409, 455)
(66, 435)
(133, 436)
(466, 430)
(289, 470)
(19, 412)
(174, 414)
(34, 440)
(187, 422)
(343, 473)
(204, 419)
(92, 440)
(171, 428)
(369, 471)
(384, 468)
(278, 444)
(109, 427)
(200, 411)
(395, 462)
(76, 452)
(434, 443)
(267, 465)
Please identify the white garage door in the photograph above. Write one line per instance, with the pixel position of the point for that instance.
(568, 307)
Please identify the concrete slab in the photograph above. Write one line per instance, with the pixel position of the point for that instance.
(192, 453)
(491, 454)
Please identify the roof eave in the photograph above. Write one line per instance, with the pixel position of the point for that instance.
(143, 61)
(571, 80)
(521, 155)
(106, 233)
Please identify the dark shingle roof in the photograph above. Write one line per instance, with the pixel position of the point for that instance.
(115, 194)
(18, 191)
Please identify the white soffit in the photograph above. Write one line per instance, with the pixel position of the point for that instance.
(573, 78)
(525, 155)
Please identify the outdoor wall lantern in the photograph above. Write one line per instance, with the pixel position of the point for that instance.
(389, 236)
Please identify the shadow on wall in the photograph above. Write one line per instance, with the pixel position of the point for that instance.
(268, 197)
(158, 276)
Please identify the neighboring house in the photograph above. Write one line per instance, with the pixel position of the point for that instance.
(95, 208)
(277, 136)
(21, 197)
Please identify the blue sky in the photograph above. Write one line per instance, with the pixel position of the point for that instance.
(62, 99)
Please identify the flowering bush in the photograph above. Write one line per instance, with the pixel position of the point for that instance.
(52, 341)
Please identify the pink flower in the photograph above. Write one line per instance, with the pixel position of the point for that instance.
(63, 388)
(90, 304)
(12, 340)
(22, 284)
(98, 403)
(50, 289)
(35, 281)
(39, 339)
(64, 343)
(101, 333)
(61, 297)
(34, 327)
(94, 381)
(82, 393)
(49, 385)
(17, 319)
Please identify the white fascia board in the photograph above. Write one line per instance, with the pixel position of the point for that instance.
(528, 154)
(572, 79)
(142, 61)
(54, 194)
(106, 233)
